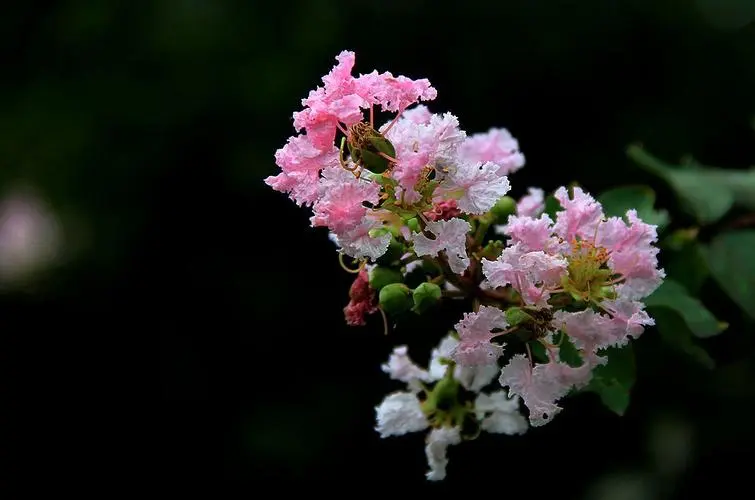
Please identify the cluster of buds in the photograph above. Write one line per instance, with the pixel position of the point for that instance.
(423, 208)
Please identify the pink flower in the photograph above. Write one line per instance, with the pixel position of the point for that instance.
(301, 163)
(394, 93)
(580, 217)
(540, 387)
(337, 102)
(532, 274)
(451, 237)
(533, 234)
(418, 145)
(357, 242)
(476, 186)
(475, 332)
(496, 146)
(532, 204)
(591, 331)
(340, 206)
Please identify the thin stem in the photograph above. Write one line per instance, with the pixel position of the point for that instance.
(346, 268)
(385, 321)
(393, 122)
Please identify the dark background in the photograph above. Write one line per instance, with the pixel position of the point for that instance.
(193, 334)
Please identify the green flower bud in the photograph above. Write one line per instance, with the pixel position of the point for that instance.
(426, 296)
(394, 298)
(503, 208)
(381, 276)
(413, 224)
(516, 316)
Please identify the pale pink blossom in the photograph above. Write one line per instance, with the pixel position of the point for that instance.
(532, 204)
(419, 145)
(473, 378)
(359, 243)
(418, 114)
(590, 330)
(450, 236)
(532, 274)
(340, 205)
(301, 162)
(475, 333)
(533, 234)
(496, 146)
(580, 217)
(475, 186)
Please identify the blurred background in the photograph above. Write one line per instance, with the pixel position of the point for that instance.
(166, 315)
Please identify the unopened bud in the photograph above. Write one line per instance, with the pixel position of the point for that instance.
(381, 276)
(503, 208)
(413, 224)
(394, 298)
(516, 316)
(426, 296)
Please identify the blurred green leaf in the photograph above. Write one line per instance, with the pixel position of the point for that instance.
(698, 319)
(613, 381)
(727, 14)
(617, 201)
(551, 206)
(675, 332)
(688, 266)
(732, 265)
(707, 193)
(567, 352)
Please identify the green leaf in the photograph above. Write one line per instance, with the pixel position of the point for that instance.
(551, 206)
(567, 352)
(617, 201)
(538, 351)
(732, 265)
(688, 266)
(613, 381)
(698, 319)
(675, 332)
(707, 193)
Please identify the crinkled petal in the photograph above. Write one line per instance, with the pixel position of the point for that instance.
(436, 450)
(400, 413)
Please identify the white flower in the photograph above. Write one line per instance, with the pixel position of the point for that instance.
(477, 186)
(401, 367)
(503, 413)
(451, 236)
(400, 413)
(436, 449)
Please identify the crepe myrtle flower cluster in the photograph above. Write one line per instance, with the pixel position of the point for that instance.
(423, 208)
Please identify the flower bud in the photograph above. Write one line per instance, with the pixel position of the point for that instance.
(413, 224)
(394, 298)
(381, 276)
(503, 208)
(516, 316)
(426, 296)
